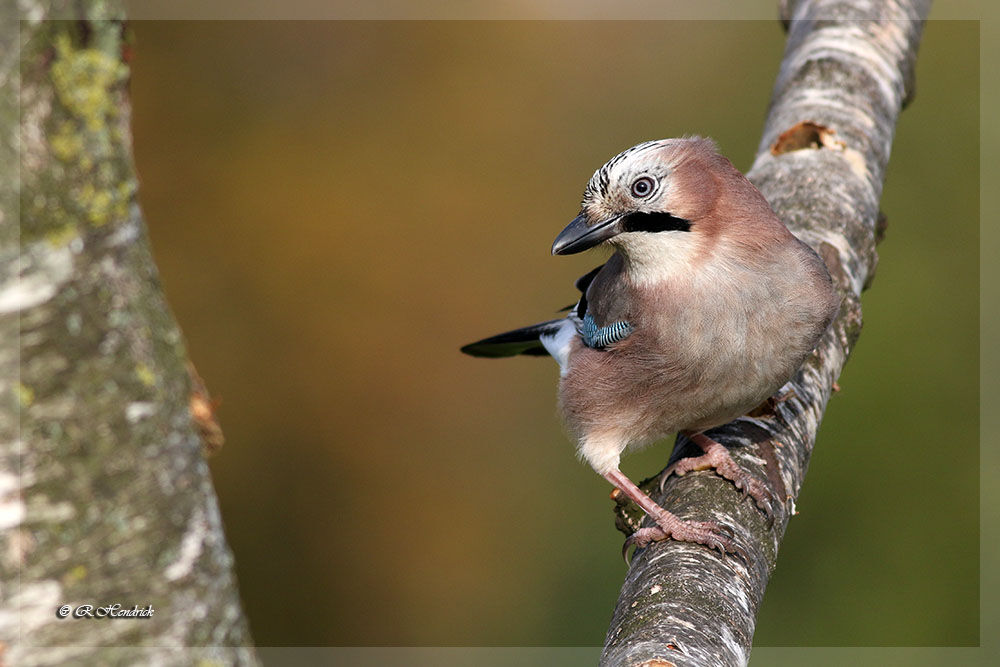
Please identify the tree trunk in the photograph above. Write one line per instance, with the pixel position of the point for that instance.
(105, 495)
(846, 74)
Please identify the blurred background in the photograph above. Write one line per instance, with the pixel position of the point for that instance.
(336, 207)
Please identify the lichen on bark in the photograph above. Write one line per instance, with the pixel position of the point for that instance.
(105, 497)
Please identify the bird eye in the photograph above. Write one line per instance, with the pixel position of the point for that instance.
(643, 187)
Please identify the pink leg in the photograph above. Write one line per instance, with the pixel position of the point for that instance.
(717, 457)
(668, 525)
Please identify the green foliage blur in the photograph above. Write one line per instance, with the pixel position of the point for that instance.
(336, 207)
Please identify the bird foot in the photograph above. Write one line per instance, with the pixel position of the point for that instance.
(717, 457)
(711, 534)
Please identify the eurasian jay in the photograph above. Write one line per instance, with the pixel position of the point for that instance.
(707, 306)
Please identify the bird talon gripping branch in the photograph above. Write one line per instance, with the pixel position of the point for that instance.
(708, 533)
(706, 308)
(717, 457)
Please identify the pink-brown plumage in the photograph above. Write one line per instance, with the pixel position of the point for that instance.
(707, 307)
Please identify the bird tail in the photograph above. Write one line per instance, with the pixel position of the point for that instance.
(526, 340)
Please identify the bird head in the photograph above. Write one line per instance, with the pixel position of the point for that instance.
(645, 198)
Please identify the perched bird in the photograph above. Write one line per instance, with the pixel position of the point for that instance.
(707, 306)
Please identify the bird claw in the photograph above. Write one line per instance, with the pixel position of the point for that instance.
(751, 487)
(671, 470)
(643, 538)
(709, 533)
(724, 529)
(717, 457)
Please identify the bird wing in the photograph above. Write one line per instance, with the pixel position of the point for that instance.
(583, 282)
(552, 337)
(593, 335)
(526, 340)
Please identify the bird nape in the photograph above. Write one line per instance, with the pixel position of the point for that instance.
(707, 306)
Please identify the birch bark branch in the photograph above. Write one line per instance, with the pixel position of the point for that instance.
(105, 495)
(846, 73)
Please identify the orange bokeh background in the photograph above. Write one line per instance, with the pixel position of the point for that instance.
(336, 207)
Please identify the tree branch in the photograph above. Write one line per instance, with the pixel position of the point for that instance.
(105, 495)
(845, 75)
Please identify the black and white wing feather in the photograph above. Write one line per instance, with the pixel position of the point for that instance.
(526, 340)
(555, 336)
(552, 337)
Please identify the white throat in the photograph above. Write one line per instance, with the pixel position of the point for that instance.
(654, 257)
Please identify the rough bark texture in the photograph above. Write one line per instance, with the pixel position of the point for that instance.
(846, 74)
(105, 496)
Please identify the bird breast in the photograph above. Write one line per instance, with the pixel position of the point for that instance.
(704, 350)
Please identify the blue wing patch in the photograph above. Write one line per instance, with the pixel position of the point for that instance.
(600, 337)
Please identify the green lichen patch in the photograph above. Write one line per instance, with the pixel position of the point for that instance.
(145, 374)
(25, 395)
(86, 175)
(84, 79)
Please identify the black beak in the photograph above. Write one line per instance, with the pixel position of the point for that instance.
(579, 235)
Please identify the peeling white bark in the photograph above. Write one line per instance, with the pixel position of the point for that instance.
(191, 547)
(39, 273)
